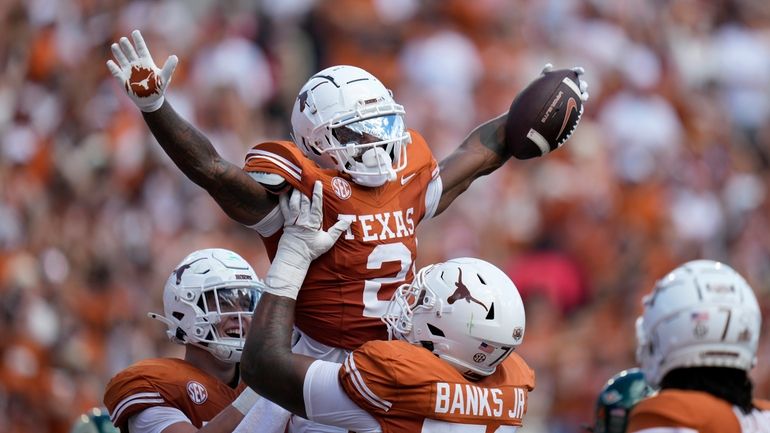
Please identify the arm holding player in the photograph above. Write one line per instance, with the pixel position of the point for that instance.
(268, 365)
(166, 419)
(242, 198)
(307, 387)
(224, 422)
(483, 151)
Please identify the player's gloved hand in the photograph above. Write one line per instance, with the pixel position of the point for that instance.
(581, 82)
(137, 73)
(303, 241)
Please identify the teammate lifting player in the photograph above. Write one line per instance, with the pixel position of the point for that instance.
(450, 368)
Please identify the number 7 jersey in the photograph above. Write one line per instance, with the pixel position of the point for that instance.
(347, 289)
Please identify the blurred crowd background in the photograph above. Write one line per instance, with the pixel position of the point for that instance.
(670, 163)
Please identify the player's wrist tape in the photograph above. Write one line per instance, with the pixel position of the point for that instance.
(284, 278)
(154, 106)
(245, 401)
(289, 267)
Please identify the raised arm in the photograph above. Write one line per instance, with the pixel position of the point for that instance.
(483, 151)
(242, 198)
(267, 364)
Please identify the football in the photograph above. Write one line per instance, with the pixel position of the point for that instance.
(544, 114)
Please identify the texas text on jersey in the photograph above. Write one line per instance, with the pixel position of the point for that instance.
(347, 289)
(167, 382)
(684, 411)
(407, 388)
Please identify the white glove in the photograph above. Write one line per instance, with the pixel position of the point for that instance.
(137, 73)
(581, 82)
(302, 241)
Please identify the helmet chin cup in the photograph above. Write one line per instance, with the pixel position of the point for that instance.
(224, 353)
(379, 166)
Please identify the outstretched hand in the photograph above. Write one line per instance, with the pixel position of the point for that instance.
(303, 240)
(144, 82)
(583, 84)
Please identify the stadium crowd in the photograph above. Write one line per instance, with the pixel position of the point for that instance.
(671, 162)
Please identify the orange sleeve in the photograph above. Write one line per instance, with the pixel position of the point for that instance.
(284, 159)
(129, 393)
(368, 380)
(422, 155)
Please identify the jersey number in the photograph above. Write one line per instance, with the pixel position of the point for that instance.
(397, 252)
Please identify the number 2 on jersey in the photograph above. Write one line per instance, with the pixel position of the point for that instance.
(396, 252)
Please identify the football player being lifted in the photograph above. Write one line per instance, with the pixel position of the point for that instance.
(451, 364)
(208, 301)
(350, 134)
(697, 340)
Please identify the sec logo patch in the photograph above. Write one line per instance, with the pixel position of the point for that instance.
(197, 392)
(341, 188)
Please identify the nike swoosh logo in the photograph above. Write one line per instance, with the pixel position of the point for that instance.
(405, 179)
(571, 106)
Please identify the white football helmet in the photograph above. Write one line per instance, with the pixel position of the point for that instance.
(345, 119)
(702, 314)
(208, 301)
(466, 311)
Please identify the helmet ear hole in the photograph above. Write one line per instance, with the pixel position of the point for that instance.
(178, 315)
(312, 148)
(491, 313)
(436, 331)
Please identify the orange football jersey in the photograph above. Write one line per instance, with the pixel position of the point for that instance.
(699, 411)
(346, 290)
(167, 382)
(409, 389)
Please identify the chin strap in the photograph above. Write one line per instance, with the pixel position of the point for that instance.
(223, 353)
(177, 335)
(160, 318)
